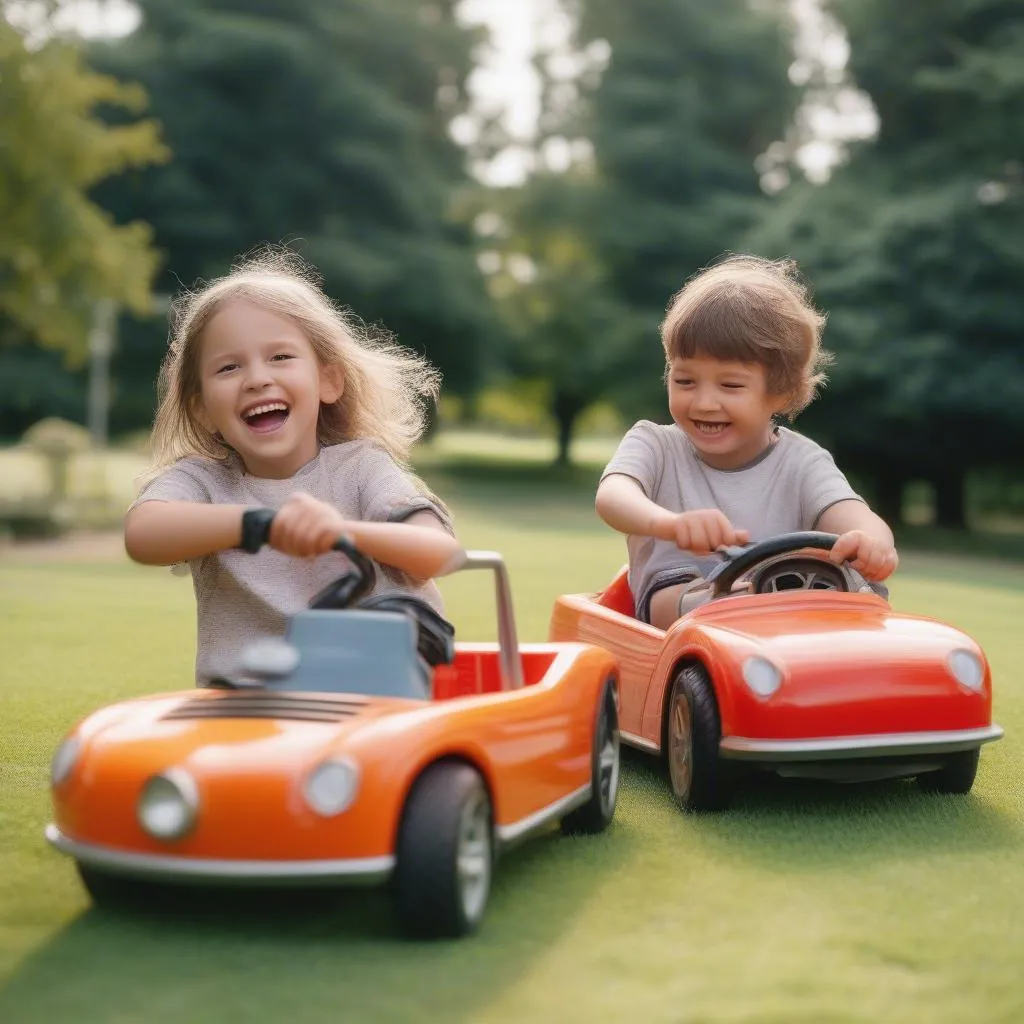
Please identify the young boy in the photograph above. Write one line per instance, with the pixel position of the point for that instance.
(742, 345)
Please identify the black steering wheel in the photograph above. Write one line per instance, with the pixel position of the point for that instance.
(807, 573)
(349, 589)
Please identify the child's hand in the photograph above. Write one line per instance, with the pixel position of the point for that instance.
(304, 526)
(873, 558)
(703, 531)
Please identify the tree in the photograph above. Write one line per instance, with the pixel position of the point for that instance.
(916, 246)
(59, 251)
(566, 328)
(692, 95)
(324, 125)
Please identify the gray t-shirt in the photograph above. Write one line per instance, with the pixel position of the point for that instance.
(785, 489)
(242, 597)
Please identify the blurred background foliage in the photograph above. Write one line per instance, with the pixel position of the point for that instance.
(669, 132)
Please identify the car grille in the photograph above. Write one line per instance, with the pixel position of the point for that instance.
(269, 705)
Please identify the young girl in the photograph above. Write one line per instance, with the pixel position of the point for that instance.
(270, 396)
(742, 346)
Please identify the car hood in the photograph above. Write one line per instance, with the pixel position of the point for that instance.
(210, 731)
(836, 629)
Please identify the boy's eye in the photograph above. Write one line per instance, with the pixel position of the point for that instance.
(732, 385)
(683, 381)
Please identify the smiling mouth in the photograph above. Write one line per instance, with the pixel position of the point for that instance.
(710, 429)
(266, 417)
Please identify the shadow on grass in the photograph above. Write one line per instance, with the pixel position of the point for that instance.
(302, 956)
(802, 825)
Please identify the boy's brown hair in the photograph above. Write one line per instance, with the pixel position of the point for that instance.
(751, 310)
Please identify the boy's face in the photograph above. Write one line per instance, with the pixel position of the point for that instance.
(724, 408)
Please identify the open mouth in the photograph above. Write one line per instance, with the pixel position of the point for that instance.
(266, 417)
(709, 429)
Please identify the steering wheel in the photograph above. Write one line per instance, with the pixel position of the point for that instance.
(349, 589)
(781, 573)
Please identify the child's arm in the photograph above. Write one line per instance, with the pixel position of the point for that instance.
(622, 504)
(865, 540)
(165, 532)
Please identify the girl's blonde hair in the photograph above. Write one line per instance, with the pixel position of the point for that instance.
(752, 310)
(387, 388)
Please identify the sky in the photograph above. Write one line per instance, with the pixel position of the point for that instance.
(505, 79)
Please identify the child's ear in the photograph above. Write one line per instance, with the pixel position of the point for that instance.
(332, 384)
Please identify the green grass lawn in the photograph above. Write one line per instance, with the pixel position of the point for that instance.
(805, 903)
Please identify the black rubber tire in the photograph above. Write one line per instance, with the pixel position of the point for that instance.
(596, 814)
(700, 781)
(431, 898)
(955, 776)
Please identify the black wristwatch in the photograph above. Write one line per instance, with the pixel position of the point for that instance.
(256, 528)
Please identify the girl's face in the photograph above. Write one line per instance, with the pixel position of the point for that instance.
(261, 386)
(724, 408)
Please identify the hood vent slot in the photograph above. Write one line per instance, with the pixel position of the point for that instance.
(268, 704)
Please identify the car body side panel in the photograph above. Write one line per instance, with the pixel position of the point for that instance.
(636, 646)
(533, 746)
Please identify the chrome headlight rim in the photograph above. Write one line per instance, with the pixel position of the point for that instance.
(65, 759)
(181, 788)
(330, 788)
(967, 668)
(762, 676)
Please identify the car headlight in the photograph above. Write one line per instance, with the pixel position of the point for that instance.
(761, 676)
(65, 757)
(169, 805)
(966, 668)
(331, 787)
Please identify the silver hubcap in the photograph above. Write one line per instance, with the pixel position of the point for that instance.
(473, 859)
(680, 747)
(608, 765)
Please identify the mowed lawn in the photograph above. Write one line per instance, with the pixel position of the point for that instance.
(805, 903)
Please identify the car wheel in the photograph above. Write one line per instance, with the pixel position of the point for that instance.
(445, 853)
(699, 780)
(596, 814)
(955, 776)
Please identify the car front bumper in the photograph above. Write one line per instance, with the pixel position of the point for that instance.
(739, 748)
(205, 870)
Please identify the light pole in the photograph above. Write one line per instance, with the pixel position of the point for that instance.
(101, 345)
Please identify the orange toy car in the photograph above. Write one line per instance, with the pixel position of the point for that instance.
(799, 671)
(346, 758)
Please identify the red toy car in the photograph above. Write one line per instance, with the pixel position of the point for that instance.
(800, 672)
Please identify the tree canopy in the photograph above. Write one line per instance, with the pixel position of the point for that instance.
(323, 125)
(59, 251)
(916, 247)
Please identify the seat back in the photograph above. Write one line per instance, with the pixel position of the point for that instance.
(617, 596)
(363, 652)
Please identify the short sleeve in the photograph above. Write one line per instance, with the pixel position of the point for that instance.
(387, 493)
(640, 455)
(822, 485)
(184, 481)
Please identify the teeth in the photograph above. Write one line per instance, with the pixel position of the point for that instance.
(711, 428)
(269, 407)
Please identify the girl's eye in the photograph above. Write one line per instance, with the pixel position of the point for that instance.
(683, 381)
(733, 387)
(282, 355)
(228, 366)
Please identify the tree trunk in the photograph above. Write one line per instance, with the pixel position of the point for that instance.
(889, 482)
(565, 409)
(950, 498)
